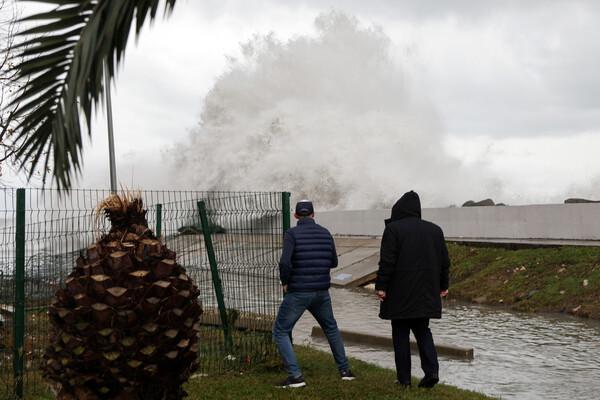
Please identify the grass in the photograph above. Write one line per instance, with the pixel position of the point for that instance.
(557, 279)
(323, 382)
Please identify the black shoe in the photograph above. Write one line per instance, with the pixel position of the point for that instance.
(347, 375)
(403, 385)
(292, 382)
(428, 381)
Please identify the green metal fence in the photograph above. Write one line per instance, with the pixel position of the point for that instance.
(233, 261)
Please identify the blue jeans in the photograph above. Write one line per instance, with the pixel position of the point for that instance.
(293, 306)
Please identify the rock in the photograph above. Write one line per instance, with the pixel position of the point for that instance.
(485, 203)
(575, 200)
(562, 292)
(585, 283)
(580, 312)
(506, 281)
(480, 299)
(532, 293)
(197, 229)
(481, 203)
(501, 205)
(501, 301)
(563, 269)
(370, 286)
(519, 296)
(523, 268)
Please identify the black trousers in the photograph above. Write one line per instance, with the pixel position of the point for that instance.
(400, 333)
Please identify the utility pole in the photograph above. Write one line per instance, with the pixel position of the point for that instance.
(111, 138)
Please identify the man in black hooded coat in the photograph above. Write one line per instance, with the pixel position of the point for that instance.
(412, 278)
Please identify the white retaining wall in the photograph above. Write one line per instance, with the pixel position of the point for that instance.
(552, 221)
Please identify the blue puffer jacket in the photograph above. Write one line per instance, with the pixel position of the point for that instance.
(308, 255)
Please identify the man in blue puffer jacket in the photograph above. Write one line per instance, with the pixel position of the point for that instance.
(308, 255)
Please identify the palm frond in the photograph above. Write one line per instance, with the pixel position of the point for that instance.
(62, 58)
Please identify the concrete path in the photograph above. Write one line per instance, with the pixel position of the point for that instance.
(357, 261)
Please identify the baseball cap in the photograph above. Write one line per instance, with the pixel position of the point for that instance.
(304, 208)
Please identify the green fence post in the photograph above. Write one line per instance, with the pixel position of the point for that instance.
(158, 220)
(212, 259)
(19, 311)
(285, 208)
(286, 218)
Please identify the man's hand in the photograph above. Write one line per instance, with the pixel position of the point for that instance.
(444, 293)
(284, 289)
(381, 295)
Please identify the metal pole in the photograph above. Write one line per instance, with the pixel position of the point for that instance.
(212, 260)
(158, 220)
(111, 139)
(19, 311)
(286, 219)
(285, 208)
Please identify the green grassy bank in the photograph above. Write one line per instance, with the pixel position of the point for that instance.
(323, 382)
(557, 279)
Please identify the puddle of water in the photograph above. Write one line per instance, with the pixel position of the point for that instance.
(517, 355)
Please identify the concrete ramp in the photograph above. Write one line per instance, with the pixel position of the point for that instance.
(357, 261)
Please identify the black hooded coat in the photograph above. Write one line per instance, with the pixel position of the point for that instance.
(413, 265)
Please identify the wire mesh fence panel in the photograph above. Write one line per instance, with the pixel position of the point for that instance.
(7, 295)
(247, 235)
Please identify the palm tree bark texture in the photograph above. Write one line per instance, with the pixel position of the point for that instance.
(126, 323)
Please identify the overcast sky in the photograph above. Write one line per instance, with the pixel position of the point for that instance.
(512, 84)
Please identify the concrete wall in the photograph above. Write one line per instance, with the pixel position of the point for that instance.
(553, 221)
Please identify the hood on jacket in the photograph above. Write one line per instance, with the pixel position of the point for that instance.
(409, 205)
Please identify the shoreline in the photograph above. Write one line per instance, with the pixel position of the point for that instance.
(559, 280)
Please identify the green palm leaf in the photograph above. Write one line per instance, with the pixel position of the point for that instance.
(62, 58)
